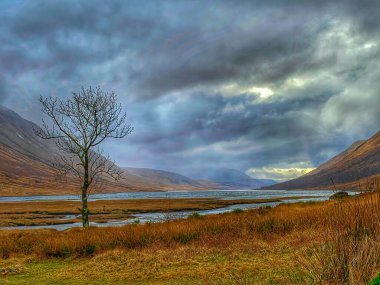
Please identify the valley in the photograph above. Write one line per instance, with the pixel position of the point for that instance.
(189, 142)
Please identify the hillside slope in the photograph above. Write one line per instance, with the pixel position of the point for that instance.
(18, 135)
(356, 167)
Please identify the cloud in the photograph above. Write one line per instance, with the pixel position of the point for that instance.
(3, 91)
(278, 174)
(244, 85)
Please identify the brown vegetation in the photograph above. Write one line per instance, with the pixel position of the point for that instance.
(267, 224)
(335, 242)
(349, 251)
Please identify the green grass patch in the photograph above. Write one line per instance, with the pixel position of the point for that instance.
(375, 281)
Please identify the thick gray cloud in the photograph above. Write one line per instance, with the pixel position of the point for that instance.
(252, 85)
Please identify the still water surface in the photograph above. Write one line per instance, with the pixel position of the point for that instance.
(219, 194)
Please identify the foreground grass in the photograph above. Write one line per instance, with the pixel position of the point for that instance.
(189, 264)
(334, 242)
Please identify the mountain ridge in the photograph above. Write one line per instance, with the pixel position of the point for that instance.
(353, 168)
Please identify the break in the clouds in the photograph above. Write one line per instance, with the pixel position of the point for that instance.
(280, 174)
(273, 88)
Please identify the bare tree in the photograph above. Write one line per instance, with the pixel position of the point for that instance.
(79, 125)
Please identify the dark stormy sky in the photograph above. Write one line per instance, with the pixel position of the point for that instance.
(272, 88)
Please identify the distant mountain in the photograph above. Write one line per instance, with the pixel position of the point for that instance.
(168, 178)
(25, 166)
(228, 178)
(356, 167)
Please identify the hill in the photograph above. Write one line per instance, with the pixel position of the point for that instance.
(357, 167)
(169, 178)
(229, 178)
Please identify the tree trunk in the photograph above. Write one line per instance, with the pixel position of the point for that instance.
(85, 186)
(85, 210)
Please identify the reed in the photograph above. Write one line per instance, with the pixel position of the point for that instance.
(349, 251)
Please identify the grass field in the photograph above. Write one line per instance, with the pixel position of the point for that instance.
(333, 242)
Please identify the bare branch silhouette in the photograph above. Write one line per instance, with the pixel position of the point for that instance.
(78, 126)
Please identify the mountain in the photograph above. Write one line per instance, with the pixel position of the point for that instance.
(161, 177)
(228, 178)
(24, 157)
(17, 134)
(25, 166)
(356, 167)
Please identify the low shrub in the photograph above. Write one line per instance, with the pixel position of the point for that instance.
(195, 215)
(339, 195)
(238, 210)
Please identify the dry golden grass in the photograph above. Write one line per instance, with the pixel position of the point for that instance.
(183, 264)
(218, 229)
(334, 242)
(349, 251)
